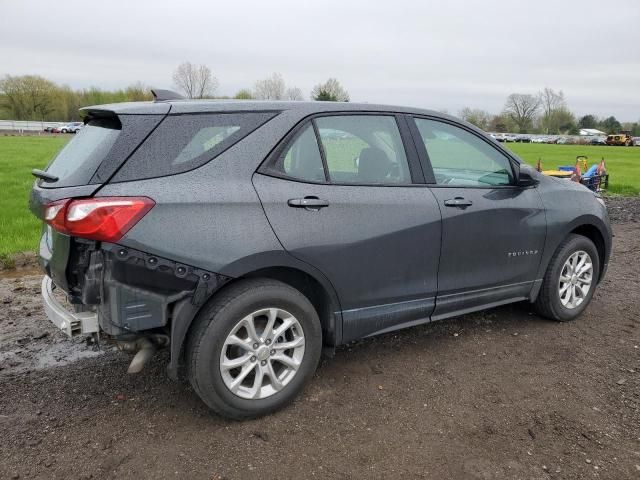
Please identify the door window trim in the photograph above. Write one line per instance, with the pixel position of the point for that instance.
(426, 162)
(410, 151)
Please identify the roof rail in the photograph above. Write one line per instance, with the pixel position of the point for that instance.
(164, 95)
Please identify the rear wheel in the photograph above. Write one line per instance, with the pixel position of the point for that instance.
(570, 280)
(253, 348)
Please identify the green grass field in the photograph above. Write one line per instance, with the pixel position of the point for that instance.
(623, 163)
(19, 229)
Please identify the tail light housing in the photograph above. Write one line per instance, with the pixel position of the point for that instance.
(105, 219)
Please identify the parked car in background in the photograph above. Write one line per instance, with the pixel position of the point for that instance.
(636, 141)
(71, 127)
(500, 137)
(75, 127)
(562, 141)
(523, 139)
(597, 141)
(244, 238)
(66, 128)
(49, 128)
(509, 137)
(538, 139)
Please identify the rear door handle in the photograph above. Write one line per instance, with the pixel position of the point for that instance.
(458, 202)
(310, 203)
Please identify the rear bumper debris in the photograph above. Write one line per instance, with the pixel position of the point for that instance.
(71, 323)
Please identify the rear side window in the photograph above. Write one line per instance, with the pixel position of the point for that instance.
(79, 159)
(184, 142)
(301, 159)
(353, 150)
(363, 149)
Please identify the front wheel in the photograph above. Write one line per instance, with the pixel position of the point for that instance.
(253, 348)
(570, 279)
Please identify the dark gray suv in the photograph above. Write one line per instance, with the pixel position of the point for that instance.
(248, 237)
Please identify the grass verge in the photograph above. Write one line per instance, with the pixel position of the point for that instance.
(19, 229)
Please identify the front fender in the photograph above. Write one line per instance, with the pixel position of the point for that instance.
(568, 207)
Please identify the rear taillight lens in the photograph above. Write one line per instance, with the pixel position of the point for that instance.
(105, 219)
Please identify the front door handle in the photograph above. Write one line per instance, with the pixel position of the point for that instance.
(458, 202)
(310, 203)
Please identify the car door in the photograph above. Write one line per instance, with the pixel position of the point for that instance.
(493, 231)
(346, 195)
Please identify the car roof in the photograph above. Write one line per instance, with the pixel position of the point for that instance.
(203, 106)
(298, 109)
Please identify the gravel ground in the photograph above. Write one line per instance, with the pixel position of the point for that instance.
(498, 394)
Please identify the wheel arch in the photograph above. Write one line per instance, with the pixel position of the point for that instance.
(589, 226)
(315, 292)
(592, 232)
(276, 265)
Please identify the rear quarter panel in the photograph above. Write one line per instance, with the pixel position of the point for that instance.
(210, 217)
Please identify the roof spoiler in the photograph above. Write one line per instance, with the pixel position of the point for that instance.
(164, 95)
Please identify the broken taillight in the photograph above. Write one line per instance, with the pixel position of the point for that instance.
(105, 219)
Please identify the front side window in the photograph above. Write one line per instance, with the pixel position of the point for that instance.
(363, 149)
(459, 158)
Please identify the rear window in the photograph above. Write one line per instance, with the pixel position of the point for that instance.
(99, 148)
(79, 159)
(184, 142)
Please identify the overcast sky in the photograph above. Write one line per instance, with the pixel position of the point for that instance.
(443, 55)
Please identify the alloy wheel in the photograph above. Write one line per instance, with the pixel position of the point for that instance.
(575, 279)
(262, 353)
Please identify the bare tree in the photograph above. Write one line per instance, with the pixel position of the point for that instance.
(522, 109)
(553, 108)
(272, 88)
(331, 91)
(479, 118)
(294, 93)
(196, 81)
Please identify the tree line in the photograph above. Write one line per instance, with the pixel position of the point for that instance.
(32, 97)
(545, 112)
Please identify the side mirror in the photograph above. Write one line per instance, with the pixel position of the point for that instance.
(525, 178)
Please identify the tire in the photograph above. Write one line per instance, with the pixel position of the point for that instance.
(211, 331)
(549, 303)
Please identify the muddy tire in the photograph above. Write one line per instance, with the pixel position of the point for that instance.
(253, 348)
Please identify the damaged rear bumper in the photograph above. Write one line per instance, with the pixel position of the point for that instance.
(135, 296)
(71, 323)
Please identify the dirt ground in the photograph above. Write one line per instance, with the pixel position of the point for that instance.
(498, 394)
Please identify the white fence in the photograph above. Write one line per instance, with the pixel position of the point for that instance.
(27, 125)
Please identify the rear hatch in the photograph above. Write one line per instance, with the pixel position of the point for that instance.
(79, 170)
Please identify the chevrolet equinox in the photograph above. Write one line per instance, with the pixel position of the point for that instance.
(248, 237)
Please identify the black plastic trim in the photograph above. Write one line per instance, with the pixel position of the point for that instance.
(363, 322)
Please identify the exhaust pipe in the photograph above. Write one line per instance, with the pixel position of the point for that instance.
(146, 350)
